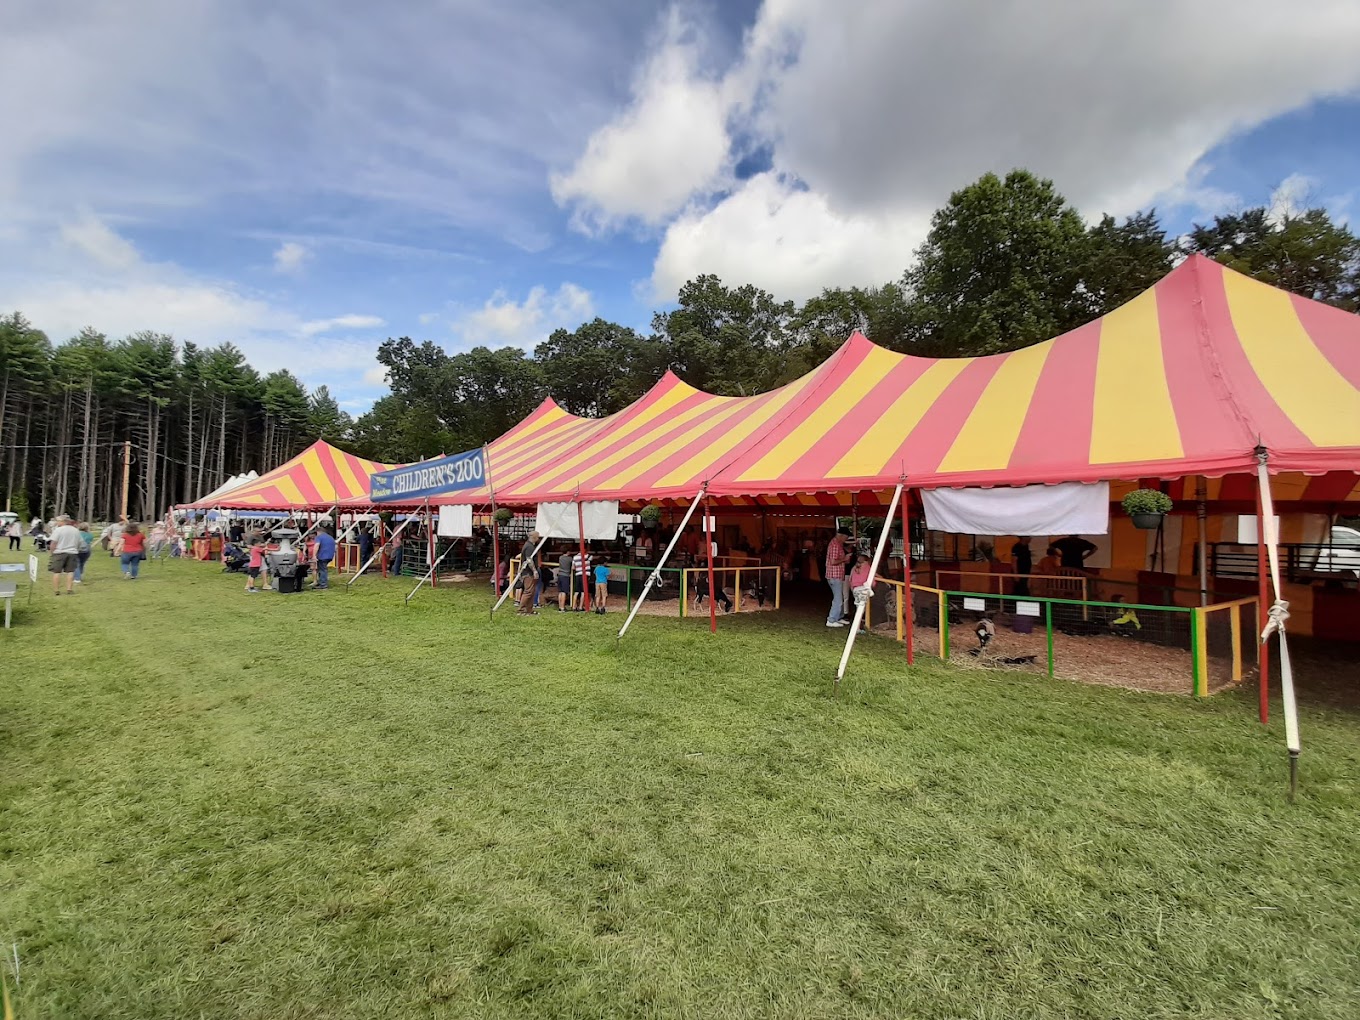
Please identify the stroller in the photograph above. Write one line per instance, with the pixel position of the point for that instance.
(41, 541)
(234, 560)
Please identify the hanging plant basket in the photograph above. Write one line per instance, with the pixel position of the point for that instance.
(503, 516)
(650, 516)
(1147, 507)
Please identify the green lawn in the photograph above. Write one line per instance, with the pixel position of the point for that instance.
(328, 805)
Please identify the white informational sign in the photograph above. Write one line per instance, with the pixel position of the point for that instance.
(32, 569)
(1027, 609)
(455, 522)
(978, 605)
(710, 523)
(559, 520)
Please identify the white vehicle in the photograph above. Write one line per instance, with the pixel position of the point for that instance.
(6, 519)
(1343, 555)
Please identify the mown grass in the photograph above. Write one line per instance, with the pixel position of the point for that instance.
(332, 806)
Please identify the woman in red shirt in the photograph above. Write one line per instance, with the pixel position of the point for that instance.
(134, 551)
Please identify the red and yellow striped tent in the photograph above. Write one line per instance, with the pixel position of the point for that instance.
(316, 479)
(1185, 380)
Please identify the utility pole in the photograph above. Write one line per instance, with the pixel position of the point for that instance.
(127, 464)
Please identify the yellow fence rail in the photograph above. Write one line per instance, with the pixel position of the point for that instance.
(720, 575)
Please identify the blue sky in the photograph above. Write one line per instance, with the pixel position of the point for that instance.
(307, 179)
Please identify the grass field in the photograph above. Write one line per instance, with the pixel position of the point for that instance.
(328, 805)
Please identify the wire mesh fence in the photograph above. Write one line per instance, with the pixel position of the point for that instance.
(1171, 649)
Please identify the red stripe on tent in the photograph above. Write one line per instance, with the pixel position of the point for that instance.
(1208, 423)
(1336, 334)
(1333, 487)
(1238, 487)
(827, 452)
(331, 470)
(935, 433)
(689, 451)
(1057, 425)
(1250, 396)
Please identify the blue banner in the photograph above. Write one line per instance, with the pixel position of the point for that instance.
(429, 478)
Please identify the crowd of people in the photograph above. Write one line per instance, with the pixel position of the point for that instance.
(69, 544)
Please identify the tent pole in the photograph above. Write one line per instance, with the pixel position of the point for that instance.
(379, 551)
(861, 605)
(1201, 515)
(585, 563)
(1263, 612)
(1277, 617)
(909, 610)
(656, 571)
(429, 574)
(430, 545)
(495, 548)
(712, 592)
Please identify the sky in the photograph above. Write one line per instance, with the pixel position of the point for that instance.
(309, 178)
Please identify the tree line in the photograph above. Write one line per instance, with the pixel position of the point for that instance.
(1008, 262)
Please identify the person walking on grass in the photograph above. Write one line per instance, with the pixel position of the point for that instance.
(133, 550)
(64, 555)
(86, 545)
(835, 577)
(525, 585)
(601, 584)
(256, 563)
(15, 534)
(325, 552)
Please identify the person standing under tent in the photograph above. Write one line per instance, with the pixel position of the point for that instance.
(256, 563)
(394, 556)
(157, 539)
(86, 547)
(132, 551)
(835, 577)
(563, 581)
(365, 545)
(1075, 551)
(859, 577)
(325, 552)
(1023, 558)
(601, 584)
(64, 555)
(578, 591)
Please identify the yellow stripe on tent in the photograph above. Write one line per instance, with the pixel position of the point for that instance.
(691, 435)
(1132, 418)
(987, 439)
(876, 364)
(869, 455)
(1317, 398)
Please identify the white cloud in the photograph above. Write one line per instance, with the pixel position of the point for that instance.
(880, 109)
(375, 376)
(290, 257)
(788, 240)
(1292, 196)
(350, 321)
(525, 323)
(669, 143)
(94, 238)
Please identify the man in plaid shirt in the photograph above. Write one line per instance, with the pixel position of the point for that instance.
(835, 577)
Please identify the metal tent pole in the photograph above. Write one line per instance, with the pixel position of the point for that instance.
(656, 571)
(1262, 612)
(510, 581)
(910, 607)
(860, 605)
(1201, 514)
(585, 563)
(1277, 617)
(712, 592)
(382, 545)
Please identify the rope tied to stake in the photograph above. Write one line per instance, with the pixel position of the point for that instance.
(1278, 614)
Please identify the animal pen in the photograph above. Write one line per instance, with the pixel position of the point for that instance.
(1195, 650)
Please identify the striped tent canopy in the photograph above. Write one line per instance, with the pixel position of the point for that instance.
(1185, 380)
(317, 479)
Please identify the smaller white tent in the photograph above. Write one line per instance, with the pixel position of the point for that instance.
(231, 483)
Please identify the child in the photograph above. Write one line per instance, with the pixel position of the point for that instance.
(859, 578)
(601, 585)
(256, 564)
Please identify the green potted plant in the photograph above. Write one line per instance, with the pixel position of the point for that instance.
(1147, 507)
(650, 515)
(503, 516)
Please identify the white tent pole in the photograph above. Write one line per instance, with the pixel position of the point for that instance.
(1279, 614)
(378, 552)
(428, 574)
(860, 606)
(656, 571)
(520, 573)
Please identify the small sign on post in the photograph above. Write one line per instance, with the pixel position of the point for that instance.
(32, 569)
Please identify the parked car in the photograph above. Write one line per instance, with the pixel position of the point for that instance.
(1343, 555)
